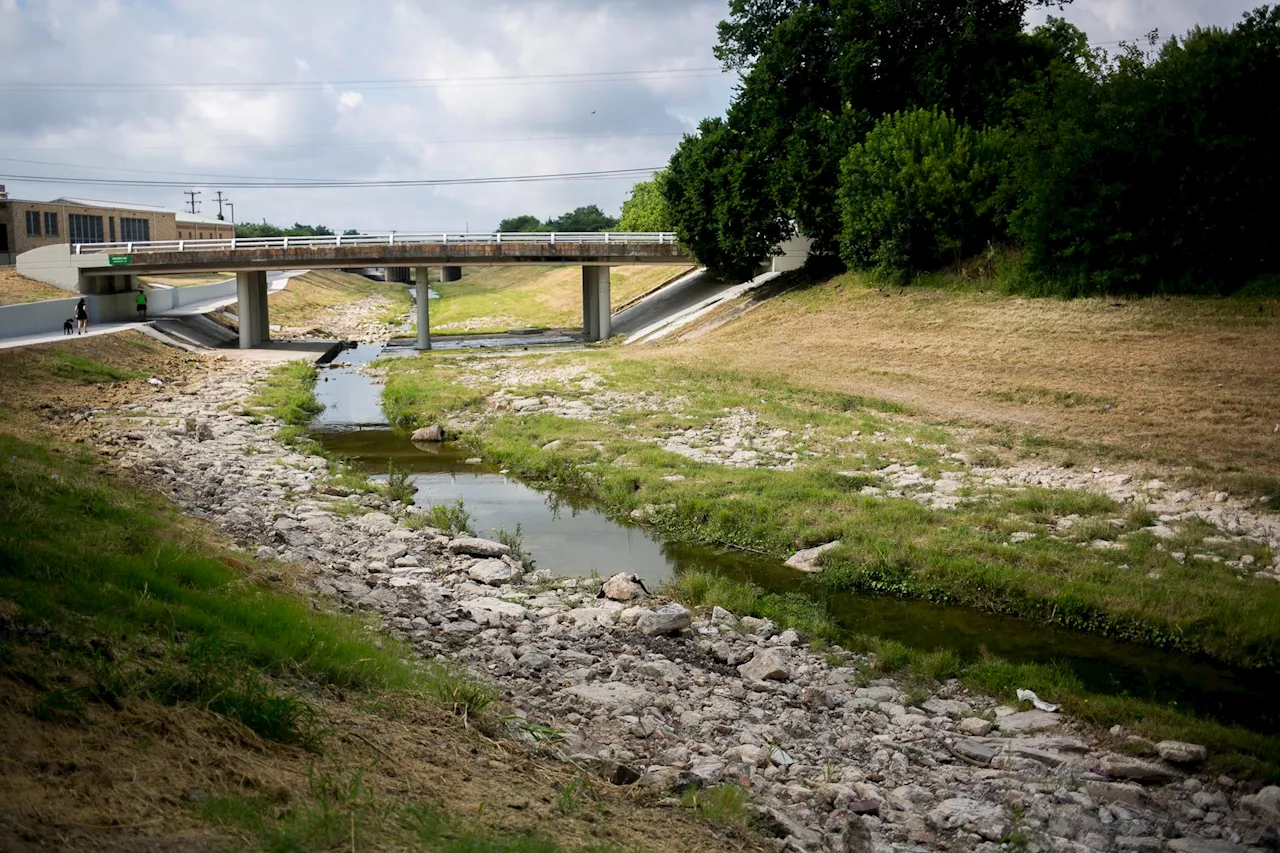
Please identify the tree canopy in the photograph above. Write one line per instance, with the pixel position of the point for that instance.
(646, 209)
(266, 229)
(582, 219)
(901, 134)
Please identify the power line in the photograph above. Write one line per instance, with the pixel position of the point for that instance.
(313, 183)
(91, 86)
(319, 142)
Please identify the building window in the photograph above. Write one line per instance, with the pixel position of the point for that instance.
(33, 223)
(111, 223)
(51, 225)
(84, 229)
(134, 230)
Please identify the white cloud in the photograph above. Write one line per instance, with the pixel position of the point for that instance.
(358, 131)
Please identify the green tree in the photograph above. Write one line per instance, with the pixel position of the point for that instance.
(919, 192)
(818, 75)
(646, 209)
(588, 218)
(1152, 173)
(717, 188)
(521, 223)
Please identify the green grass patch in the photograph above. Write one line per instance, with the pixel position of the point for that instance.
(186, 625)
(789, 610)
(422, 390)
(288, 393)
(721, 805)
(87, 371)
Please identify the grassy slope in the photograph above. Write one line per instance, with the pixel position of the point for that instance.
(309, 298)
(494, 299)
(159, 688)
(16, 289)
(1188, 382)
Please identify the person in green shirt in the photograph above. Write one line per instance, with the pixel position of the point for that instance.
(142, 304)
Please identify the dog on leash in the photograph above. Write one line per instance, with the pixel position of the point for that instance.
(68, 327)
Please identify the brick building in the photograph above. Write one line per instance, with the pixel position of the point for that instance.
(195, 227)
(26, 225)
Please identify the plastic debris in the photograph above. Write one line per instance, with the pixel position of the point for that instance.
(780, 757)
(1030, 696)
(153, 381)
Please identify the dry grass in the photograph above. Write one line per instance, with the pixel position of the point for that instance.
(16, 289)
(1172, 381)
(186, 279)
(134, 778)
(307, 298)
(497, 298)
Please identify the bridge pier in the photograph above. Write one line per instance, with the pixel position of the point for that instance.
(424, 310)
(251, 308)
(596, 323)
(450, 273)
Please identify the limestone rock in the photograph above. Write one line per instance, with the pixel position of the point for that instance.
(611, 695)
(427, 434)
(974, 726)
(1025, 722)
(473, 547)
(984, 819)
(1205, 845)
(667, 619)
(492, 610)
(493, 572)
(975, 751)
(1135, 770)
(807, 560)
(1178, 752)
(1265, 804)
(1116, 792)
(624, 587)
(766, 665)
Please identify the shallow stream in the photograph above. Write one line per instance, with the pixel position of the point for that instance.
(572, 538)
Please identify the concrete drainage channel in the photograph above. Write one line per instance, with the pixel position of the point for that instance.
(573, 538)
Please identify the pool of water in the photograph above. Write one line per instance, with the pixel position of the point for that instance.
(572, 538)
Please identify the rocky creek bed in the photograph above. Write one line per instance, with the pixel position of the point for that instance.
(645, 692)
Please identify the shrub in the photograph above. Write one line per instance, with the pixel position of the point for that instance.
(918, 193)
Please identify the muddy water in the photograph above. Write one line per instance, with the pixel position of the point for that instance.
(573, 538)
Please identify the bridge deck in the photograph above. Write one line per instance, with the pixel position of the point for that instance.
(390, 250)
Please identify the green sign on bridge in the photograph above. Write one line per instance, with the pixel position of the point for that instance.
(119, 260)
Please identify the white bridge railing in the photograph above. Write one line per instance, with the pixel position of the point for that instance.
(235, 244)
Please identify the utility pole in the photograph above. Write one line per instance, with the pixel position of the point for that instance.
(219, 204)
(192, 202)
(233, 212)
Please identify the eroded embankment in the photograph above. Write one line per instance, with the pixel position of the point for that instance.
(837, 757)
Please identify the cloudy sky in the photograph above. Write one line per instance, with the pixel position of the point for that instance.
(204, 93)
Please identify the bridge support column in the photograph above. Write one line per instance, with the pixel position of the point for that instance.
(424, 310)
(450, 273)
(251, 308)
(246, 308)
(264, 324)
(596, 325)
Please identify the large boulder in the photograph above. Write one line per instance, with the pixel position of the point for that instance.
(624, 587)
(982, 818)
(766, 665)
(612, 695)
(473, 547)
(1136, 770)
(667, 619)
(807, 560)
(1265, 804)
(493, 572)
(1177, 752)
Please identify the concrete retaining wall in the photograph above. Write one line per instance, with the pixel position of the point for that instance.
(33, 318)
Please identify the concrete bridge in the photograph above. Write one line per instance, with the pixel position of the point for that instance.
(102, 268)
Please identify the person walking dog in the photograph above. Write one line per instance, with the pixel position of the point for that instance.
(82, 316)
(142, 304)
